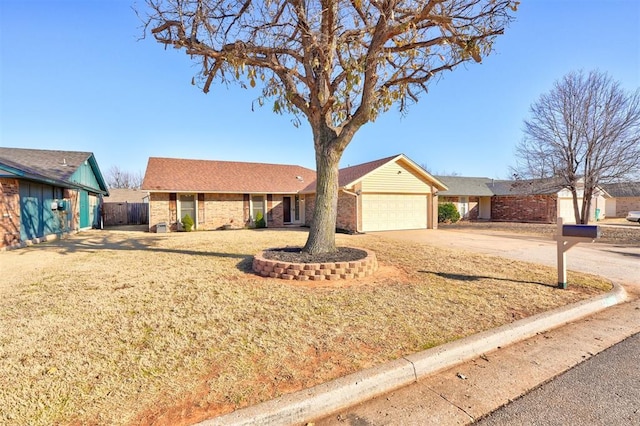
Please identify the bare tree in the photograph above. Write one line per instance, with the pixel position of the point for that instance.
(586, 128)
(336, 63)
(118, 178)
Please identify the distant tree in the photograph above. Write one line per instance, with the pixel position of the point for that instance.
(336, 63)
(122, 179)
(587, 127)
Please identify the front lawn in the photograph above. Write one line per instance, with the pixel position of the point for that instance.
(134, 328)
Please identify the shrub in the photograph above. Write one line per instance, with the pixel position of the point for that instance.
(260, 223)
(187, 223)
(448, 213)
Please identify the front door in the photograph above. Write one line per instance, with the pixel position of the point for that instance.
(286, 207)
(84, 209)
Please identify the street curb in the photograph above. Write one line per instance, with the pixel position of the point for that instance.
(327, 398)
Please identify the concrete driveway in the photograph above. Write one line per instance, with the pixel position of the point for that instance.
(618, 263)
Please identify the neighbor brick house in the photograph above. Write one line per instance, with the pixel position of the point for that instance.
(625, 197)
(47, 193)
(390, 193)
(535, 200)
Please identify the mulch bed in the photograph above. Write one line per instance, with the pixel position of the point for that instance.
(295, 255)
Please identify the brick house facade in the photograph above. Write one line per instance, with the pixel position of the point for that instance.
(542, 200)
(231, 194)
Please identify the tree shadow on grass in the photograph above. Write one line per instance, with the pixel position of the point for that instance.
(95, 244)
(464, 277)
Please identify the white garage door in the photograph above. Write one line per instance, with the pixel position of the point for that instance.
(385, 212)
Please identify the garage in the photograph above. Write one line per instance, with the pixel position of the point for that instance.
(384, 212)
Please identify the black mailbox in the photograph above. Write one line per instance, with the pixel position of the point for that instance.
(583, 231)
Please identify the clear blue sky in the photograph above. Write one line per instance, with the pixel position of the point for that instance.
(75, 76)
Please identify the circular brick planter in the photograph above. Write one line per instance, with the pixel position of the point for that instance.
(316, 271)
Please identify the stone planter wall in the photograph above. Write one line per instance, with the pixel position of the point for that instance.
(316, 271)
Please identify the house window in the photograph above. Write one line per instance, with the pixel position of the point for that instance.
(188, 206)
(257, 205)
(297, 209)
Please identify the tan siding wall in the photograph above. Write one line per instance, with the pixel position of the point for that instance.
(387, 179)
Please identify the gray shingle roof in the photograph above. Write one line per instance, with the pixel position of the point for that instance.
(58, 165)
(486, 187)
(50, 166)
(622, 189)
(466, 186)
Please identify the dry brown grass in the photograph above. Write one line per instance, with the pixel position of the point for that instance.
(134, 328)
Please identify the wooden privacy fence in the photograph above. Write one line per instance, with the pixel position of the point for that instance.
(126, 214)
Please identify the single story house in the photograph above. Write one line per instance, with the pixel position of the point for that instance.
(45, 192)
(390, 193)
(534, 200)
(625, 197)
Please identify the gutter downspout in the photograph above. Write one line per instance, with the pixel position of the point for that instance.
(357, 215)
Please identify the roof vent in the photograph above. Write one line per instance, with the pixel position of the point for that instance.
(64, 161)
(299, 178)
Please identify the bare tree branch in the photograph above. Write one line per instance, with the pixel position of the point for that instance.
(587, 128)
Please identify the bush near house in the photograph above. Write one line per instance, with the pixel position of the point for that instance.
(260, 223)
(448, 213)
(187, 223)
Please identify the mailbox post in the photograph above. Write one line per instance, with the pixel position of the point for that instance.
(567, 237)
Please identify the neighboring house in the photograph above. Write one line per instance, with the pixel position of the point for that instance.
(126, 207)
(470, 195)
(536, 200)
(391, 193)
(625, 197)
(44, 193)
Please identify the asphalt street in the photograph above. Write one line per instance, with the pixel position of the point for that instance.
(604, 390)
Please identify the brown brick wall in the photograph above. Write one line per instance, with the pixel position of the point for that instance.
(531, 208)
(626, 204)
(474, 208)
(158, 209)
(215, 211)
(9, 212)
(73, 213)
(346, 219)
(276, 216)
(222, 209)
(309, 205)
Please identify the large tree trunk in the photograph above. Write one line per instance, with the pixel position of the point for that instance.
(586, 205)
(329, 147)
(322, 235)
(576, 206)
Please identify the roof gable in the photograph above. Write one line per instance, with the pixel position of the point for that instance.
(63, 168)
(350, 176)
(185, 175)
